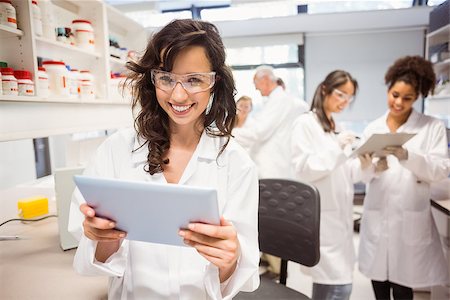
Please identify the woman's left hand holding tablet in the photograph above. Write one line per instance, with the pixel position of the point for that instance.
(219, 244)
(99, 229)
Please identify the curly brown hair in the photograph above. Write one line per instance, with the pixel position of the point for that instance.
(413, 70)
(152, 122)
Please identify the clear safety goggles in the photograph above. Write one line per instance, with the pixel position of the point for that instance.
(192, 83)
(343, 96)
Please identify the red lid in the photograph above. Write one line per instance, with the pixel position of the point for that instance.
(7, 71)
(41, 69)
(19, 74)
(34, 2)
(85, 71)
(52, 62)
(81, 21)
(74, 70)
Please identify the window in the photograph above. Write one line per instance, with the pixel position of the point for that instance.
(284, 58)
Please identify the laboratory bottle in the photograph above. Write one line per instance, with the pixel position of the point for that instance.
(57, 78)
(24, 83)
(8, 14)
(9, 82)
(37, 18)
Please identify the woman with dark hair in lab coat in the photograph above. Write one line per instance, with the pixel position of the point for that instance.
(184, 97)
(400, 247)
(319, 156)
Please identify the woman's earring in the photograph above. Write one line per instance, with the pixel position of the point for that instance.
(210, 103)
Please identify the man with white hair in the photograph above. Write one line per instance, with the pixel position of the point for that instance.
(268, 138)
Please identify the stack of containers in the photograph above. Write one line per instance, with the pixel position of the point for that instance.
(37, 18)
(84, 34)
(57, 78)
(42, 83)
(86, 80)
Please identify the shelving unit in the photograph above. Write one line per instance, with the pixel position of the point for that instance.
(439, 105)
(29, 117)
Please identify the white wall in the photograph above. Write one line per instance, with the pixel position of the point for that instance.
(16, 163)
(366, 55)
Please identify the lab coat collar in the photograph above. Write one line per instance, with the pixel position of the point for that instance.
(410, 124)
(278, 92)
(206, 149)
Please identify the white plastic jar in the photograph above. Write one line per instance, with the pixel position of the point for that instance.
(86, 85)
(42, 83)
(57, 78)
(74, 82)
(84, 34)
(9, 82)
(24, 83)
(37, 18)
(8, 14)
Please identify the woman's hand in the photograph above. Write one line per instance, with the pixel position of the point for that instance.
(366, 160)
(398, 151)
(381, 165)
(219, 244)
(101, 230)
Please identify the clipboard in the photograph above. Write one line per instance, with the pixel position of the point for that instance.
(147, 211)
(378, 141)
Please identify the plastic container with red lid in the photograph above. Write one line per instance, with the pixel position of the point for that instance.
(57, 78)
(84, 34)
(8, 14)
(9, 82)
(24, 82)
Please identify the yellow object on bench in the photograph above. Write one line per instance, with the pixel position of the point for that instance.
(33, 207)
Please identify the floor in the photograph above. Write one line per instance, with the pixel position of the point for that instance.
(362, 288)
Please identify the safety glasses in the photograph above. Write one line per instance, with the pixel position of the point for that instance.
(192, 83)
(343, 96)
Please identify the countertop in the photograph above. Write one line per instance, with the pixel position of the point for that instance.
(35, 267)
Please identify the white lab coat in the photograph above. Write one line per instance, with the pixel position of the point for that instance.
(318, 159)
(142, 270)
(399, 240)
(269, 136)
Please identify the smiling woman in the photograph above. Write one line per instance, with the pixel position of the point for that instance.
(184, 94)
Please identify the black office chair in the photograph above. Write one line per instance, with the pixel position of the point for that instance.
(289, 219)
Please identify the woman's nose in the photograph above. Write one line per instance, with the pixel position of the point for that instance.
(179, 94)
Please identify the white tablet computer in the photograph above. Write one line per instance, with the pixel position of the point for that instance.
(147, 211)
(379, 141)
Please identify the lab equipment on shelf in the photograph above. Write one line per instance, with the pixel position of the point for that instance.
(9, 82)
(8, 14)
(42, 83)
(37, 18)
(24, 83)
(57, 78)
(84, 34)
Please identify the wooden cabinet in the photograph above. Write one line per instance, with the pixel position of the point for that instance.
(30, 117)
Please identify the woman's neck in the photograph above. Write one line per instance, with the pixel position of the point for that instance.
(185, 136)
(394, 122)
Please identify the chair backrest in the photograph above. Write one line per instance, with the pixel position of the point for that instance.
(289, 220)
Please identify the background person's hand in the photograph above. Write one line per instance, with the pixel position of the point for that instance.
(99, 229)
(398, 151)
(366, 160)
(219, 244)
(381, 165)
(346, 138)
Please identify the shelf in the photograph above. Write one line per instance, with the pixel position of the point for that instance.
(7, 32)
(117, 61)
(441, 32)
(22, 119)
(439, 97)
(59, 46)
(442, 64)
(6, 98)
(439, 36)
